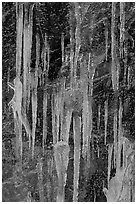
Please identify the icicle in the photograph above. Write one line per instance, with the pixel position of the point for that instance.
(124, 154)
(125, 64)
(54, 125)
(17, 83)
(57, 115)
(45, 52)
(16, 127)
(68, 123)
(120, 118)
(8, 78)
(45, 60)
(19, 29)
(119, 135)
(85, 106)
(106, 119)
(62, 47)
(91, 73)
(90, 114)
(44, 118)
(99, 114)
(61, 154)
(91, 67)
(77, 142)
(110, 150)
(48, 50)
(122, 28)
(34, 84)
(71, 48)
(34, 109)
(89, 130)
(25, 56)
(26, 125)
(98, 150)
(115, 138)
(77, 37)
(106, 38)
(30, 25)
(85, 130)
(113, 49)
(62, 108)
(37, 56)
(118, 71)
(128, 77)
(62, 103)
(18, 99)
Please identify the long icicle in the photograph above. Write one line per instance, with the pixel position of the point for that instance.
(18, 98)
(99, 109)
(115, 138)
(62, 107)
(67, 123)
(91, 73)
(84, 78)
(45, 79)
(77, 142)
(19, 28)
(114, 67)
(84, 120)
(71, 48)
(115, 77)
(106, 119)
(57, 115)
(8, 79)
(34, 93)
(26, 48)
(89, 137)
(45, 53)
(44, 119)
(54, 118)
(44, 57)
(122, 28)
(48, 58)
(110, 150)
(30, 33)
(106, 39)
(128, 77)
(17, 83)
(77, 37)
(34, 110)
(119, 134)
(62, 48)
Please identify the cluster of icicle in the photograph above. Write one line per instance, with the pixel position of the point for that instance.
(121, 157)
(61, 120)
(77, 97)
(121, 152)
(74, 99)
(26, 84)
(22, 92)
